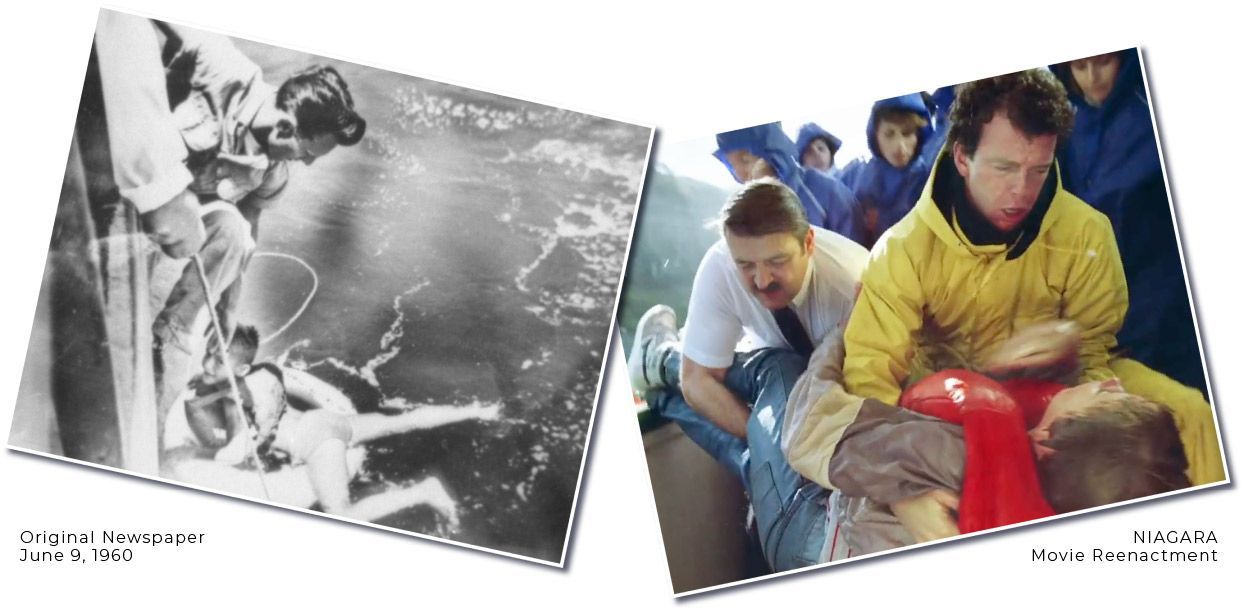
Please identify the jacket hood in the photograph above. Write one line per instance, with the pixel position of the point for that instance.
(913, 103)
(943, 97)
(810, 131)
(937, 203)
(1128, 80)
(766, 141)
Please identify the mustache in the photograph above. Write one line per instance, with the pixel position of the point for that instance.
(772, 287)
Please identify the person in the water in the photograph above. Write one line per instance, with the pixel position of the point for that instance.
(295, 416)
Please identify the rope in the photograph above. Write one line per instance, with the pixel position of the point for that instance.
(315, 285)
(223, 348)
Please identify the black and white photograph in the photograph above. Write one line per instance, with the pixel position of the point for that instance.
(331, 287)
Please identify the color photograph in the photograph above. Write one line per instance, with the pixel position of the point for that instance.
(895, 323)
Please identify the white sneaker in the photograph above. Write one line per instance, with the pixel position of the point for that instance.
(655, 335)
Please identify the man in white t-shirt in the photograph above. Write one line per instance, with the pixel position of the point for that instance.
(784, 287)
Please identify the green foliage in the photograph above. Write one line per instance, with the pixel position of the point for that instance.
(671, 237)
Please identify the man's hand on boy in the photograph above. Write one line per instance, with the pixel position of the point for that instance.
(928, 516)
(1047, 350)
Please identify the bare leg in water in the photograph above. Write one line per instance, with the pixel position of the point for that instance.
(329, 475)
(325, 439)
(297, 487)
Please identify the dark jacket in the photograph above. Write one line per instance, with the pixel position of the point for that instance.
(809, 132)
(882, 190)
(1111, 162)
(942, 98)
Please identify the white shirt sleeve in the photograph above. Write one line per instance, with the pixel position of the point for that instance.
(147, 150)
(219, 66)
(713, 328)
(846, 261)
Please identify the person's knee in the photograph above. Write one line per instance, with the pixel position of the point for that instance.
(785, 363)
(776, 368)
(227, 232)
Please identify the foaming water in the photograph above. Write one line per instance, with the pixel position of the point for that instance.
(468, 253)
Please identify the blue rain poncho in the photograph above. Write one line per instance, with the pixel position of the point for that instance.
(884, 192)
(826, 201)
(1111, 162)
(810, 132)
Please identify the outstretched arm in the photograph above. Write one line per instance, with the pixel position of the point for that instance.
(374, 426)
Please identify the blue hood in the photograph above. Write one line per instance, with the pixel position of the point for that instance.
(1111, 161)
(1112, 149)
(766, 141)
(913, 103)
(810, 131)
(826, 201)
(1128, 81)
(943, 97)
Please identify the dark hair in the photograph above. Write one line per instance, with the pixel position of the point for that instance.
(320, 102)
(763, 207)
(828, 145)
(245, 341)
(907, 120)
(1064, 74)
(1033, 100)
(1114, 452)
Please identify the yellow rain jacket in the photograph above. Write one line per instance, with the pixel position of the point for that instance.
(931, 300)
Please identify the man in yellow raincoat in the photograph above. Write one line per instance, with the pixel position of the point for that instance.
(994, 245)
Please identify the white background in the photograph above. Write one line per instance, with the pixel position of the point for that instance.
(689, 71)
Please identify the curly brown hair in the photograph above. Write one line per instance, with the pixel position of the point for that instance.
(1034, 100)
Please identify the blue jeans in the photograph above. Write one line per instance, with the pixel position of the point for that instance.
(790, 511)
